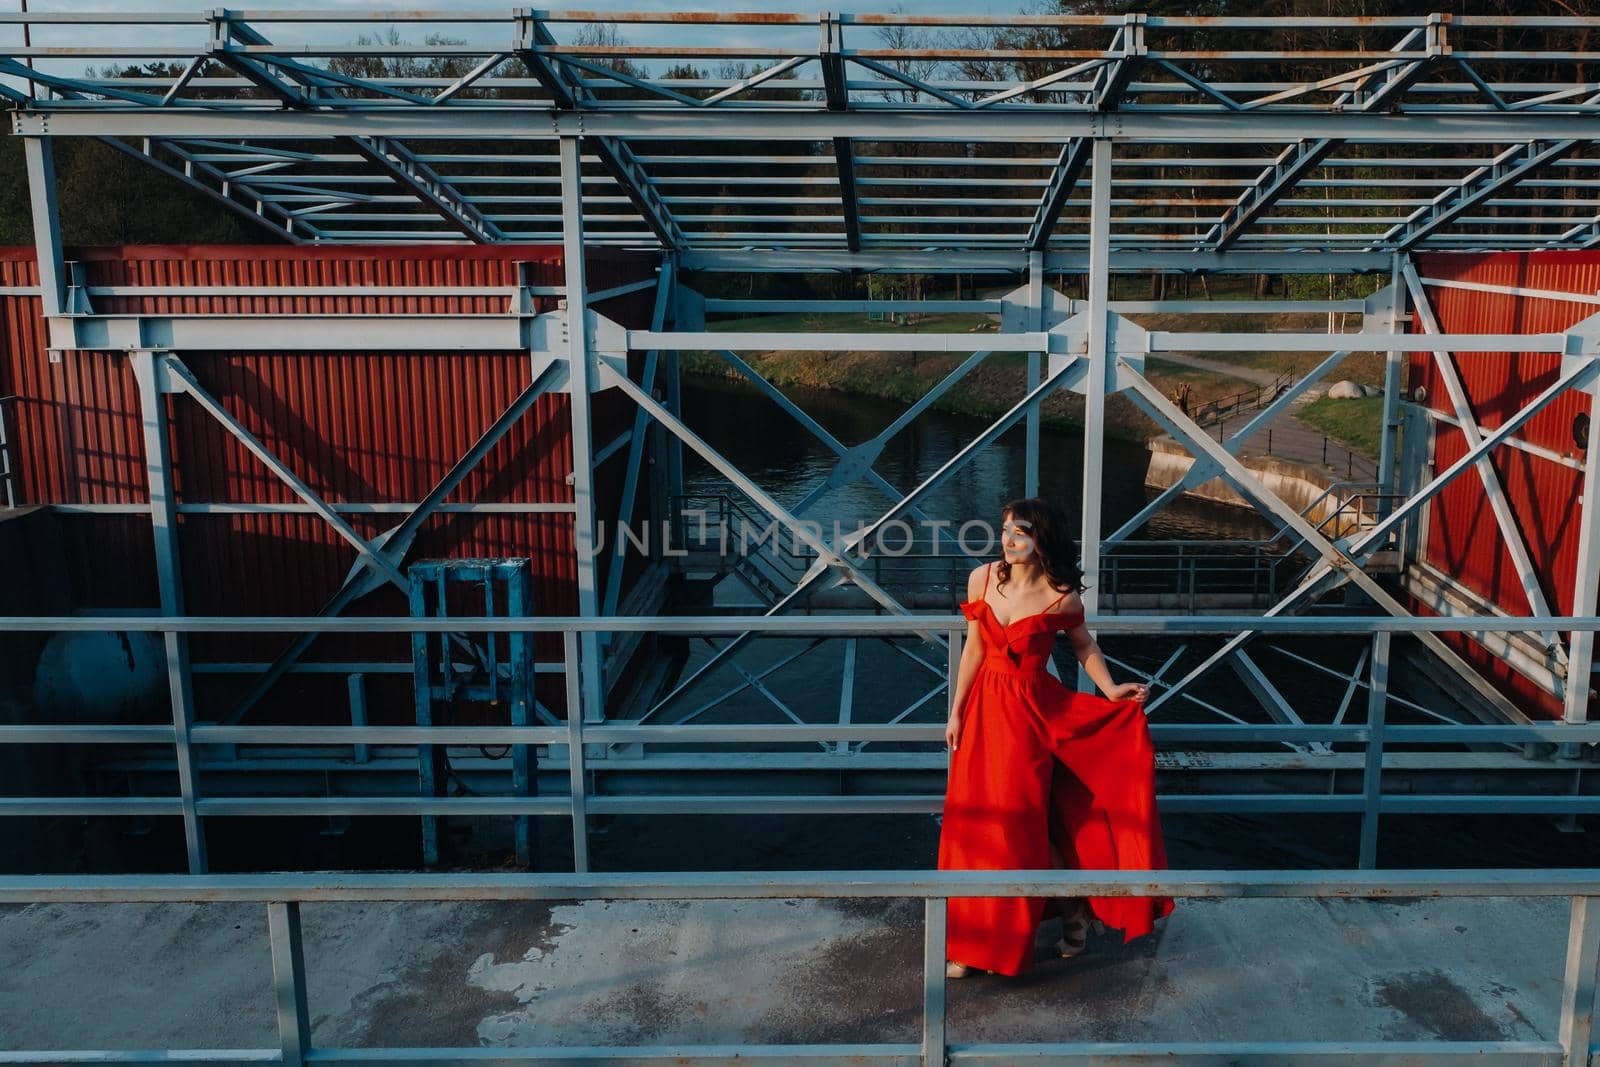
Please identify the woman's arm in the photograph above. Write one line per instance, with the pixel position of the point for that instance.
(971, 655)
(1088, 652)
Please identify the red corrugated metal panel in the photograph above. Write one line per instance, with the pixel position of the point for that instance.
(1499, 383)
(379, 428)
(1532, 699)
(1464, 541)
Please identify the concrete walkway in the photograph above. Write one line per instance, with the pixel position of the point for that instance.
(154, 976)
(1291, 439)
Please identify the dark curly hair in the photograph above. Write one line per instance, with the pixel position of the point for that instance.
(1057, 551)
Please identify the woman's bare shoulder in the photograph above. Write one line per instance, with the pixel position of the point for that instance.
(1071, 604)
(975, 581)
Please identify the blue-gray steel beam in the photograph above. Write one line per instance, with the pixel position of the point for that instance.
(307, 89)
(1505, 171)
(723, 124)
(393, 544)
(934, 914)
(829, 558)
(1030, 451)
(1101, 376)
(577, 782)
(1109, 85)
(1065, 375)
(1389, 306)
(147, 375)
(422, 181)
(1372, 770)
(289, 981)
(1336, 558)
(39, 157)
(995, 261)
(835, 625)
(256, 212)
(1069, 168)
(1586, 579)
(183, 379)
(856, 462)
(1580, 982)
(615, 155)
(1449, 734)
(1577, 376)
(1202, 469)
(1511, 535)
(1302, 157)
(366, 887)
(638, 440)
(584, 379)
(836, 93)
(845, 167)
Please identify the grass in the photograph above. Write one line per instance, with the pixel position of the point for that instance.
(994, 386)
(1357, 422)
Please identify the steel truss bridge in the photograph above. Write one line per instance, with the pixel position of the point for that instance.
(1040, 148)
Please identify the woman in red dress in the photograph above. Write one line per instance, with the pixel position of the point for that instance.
(1010, 803)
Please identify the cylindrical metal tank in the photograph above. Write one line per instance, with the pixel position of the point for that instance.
(97, 676)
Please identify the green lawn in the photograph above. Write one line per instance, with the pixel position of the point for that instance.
(1357, 422)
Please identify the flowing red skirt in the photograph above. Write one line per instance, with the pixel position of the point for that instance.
(1038, 764)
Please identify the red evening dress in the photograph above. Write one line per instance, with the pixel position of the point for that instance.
(1000, 808)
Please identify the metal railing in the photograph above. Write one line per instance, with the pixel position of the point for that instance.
(1182, 571)
(284, 895)
(1254, 398)
(193, 804)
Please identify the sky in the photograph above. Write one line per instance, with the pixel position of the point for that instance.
(727, 35)
(191, 38)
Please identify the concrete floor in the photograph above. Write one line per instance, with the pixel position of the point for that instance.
(198, 976)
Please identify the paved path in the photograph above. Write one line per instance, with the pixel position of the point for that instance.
(1290, 439)
(199, 976)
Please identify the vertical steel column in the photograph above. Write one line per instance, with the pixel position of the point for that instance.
(1372, 772)
(147, 375)
(1586, 587)
(289, 979)
(581, 375)
(524, 760)
(1030, 472)
(41, 164)
(641, 453)
(430, 766)
(671, 452)
(1578, 989)
(933, 948)
(1100, 371)
(357, 686)
(576, 772)
(1393, 364)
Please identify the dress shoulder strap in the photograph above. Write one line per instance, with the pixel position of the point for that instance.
(987, 567)
(1056, 601)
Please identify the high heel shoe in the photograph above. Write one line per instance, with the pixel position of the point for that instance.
(1074, 933)
(952, 969)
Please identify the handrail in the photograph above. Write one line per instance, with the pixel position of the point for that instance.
(284, 894)
(838, 624)
(576, 802)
